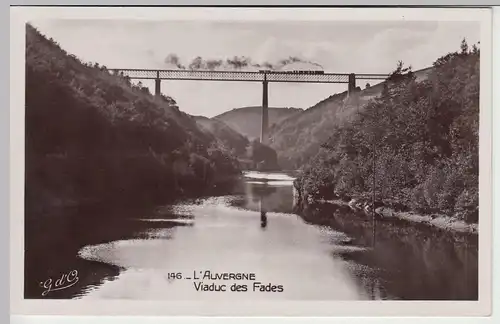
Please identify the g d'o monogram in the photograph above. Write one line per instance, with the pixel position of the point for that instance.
(65, 281)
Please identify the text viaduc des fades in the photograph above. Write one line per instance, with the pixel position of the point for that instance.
(202, 281)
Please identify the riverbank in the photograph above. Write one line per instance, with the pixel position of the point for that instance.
(386, 213)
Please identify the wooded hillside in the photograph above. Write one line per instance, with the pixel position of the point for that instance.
(415, 146)
(94, 136)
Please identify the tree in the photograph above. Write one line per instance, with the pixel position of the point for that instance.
(399, 73)
(169, 100)
(475, 49)
(464, 47)
(367, 85)
(145, 90)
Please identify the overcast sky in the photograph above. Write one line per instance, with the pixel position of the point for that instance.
(344, 47)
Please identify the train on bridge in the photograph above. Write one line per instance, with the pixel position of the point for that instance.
(295, 71)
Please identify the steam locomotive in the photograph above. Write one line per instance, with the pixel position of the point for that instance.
(295, 71)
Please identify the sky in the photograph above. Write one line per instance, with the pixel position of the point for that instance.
(340, 47)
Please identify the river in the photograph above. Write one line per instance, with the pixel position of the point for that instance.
(320, 252)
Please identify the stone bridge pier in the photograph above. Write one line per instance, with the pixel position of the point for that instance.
(265, 113)
(351, 84)
(157, 84)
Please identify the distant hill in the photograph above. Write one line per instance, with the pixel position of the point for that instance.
(231, 139)
(251, 154)
(298, 138)
(247, 120)
(92, 136)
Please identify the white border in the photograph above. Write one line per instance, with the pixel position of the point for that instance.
(20, 306)
(255, 14)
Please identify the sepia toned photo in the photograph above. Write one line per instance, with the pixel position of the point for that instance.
(253, 160)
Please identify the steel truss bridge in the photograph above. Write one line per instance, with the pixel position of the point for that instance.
(250, 76)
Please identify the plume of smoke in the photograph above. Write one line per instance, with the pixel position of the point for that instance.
(174, 60)
(314, 63)
(268, 65)
(294, 59)
(197, 64)
(290, 60)
(239, 62)
(213, 64)
(234, 63)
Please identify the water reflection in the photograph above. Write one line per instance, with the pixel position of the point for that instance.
(266, 196)
(317, 251)
(263, 219)
(52, 242)
(262, 206)
(407, 261)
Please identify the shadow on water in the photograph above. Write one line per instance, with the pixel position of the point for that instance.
(405, 261)
(52, 243)
(401, 260)
(53, 239)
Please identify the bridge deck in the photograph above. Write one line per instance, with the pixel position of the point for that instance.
(249, 76)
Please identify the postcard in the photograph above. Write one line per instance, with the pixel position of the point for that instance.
(250, 161)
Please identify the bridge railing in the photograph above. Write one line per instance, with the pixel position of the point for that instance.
(371, 76)
(250, 76)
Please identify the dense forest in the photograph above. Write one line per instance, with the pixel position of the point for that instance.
(413, 147)
(94, 136)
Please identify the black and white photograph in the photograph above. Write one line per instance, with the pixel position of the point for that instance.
(254, 160)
